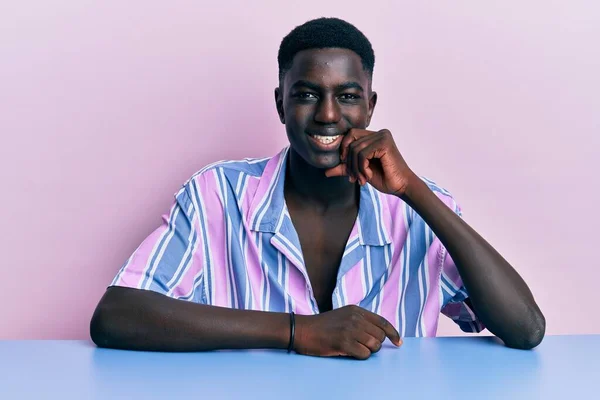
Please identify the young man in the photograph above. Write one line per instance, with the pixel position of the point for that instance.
(336, 228)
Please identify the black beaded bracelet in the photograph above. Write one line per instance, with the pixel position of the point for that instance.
(292, 332)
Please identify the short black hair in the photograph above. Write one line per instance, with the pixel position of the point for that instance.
(322, 33)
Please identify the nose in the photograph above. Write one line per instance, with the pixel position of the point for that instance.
(328, 111)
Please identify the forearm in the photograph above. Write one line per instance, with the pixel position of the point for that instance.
(143, 320)
(500, 297)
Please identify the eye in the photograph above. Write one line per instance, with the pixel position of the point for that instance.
(305, 95)
(349, 96)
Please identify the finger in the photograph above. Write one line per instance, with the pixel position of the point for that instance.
(338, 170)
(375, 331)
(352, 158)
(352, 135)
(368, 153)
(385, 325)
(360, 154)
(372, 343)
(358, 350)
(348, 162)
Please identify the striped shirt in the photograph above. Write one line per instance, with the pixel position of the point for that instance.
(229, 241)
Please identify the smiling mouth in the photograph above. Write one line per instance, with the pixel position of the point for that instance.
(326, 139)
(325, 143)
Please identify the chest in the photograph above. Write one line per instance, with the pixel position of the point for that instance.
(323, 238)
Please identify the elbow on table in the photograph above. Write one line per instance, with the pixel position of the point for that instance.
(531, 335)
(102, 328)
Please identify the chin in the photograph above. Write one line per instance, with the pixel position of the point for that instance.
(320, 160)
(325, 160)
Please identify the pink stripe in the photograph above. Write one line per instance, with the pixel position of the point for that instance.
(209, 190)
(297, 283)
(386, 221)
(431, 311)
(354, 232)
(186, 284)
(254, 268)
(264, 185)
(249, 193)
(397, 231)
(354, 291)
(253, 258)
(391, 294)
(297, 289)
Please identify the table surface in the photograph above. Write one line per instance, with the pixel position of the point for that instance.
(428, 368)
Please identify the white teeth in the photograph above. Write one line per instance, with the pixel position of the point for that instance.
(326, 139)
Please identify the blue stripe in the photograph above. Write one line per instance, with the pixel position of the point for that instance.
(454, 295)
(378, 209)
(366, 267)
(377, 261)
(235, 262)
(238, 261)
(434, 187)
(277, 292)
(385, 263)
(428, 235)
(417, 254)
(188, 259)
(249, 166)
(203, 232)
(378, 271)
(269, 198)
(350, 259)
(260, 246)
(288, 232)
(195, 286)
(402, 290)
(166, 265)
(148, 267)
(242, 258)
(447, 296)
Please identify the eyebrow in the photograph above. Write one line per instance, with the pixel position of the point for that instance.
(316, 88)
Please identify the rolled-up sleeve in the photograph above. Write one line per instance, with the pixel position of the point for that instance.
(453, 295)
(453, 292)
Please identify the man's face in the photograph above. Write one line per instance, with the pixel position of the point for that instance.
(324, 94)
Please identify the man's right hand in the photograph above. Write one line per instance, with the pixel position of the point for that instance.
(348, 331)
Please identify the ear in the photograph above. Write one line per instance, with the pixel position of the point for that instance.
(279, 104)
(372, 104)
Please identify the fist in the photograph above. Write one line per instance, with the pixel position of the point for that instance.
(348, 331)
(373, 157)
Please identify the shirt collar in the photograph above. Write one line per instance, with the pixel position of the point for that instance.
(268, 205)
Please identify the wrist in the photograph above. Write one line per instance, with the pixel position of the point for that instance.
(302, 322)
(279, 333)
(411, 188)
(292, 332)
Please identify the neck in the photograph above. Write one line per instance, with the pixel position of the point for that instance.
(310, 185)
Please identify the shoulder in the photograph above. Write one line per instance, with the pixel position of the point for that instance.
(403, 219)
(444, 195)
(221, 181)
(248, 166)
(396, 203)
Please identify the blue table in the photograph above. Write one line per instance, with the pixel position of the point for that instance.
(428, 368)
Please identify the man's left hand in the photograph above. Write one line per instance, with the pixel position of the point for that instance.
(373, 157)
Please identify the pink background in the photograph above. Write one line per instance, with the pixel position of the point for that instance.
(107, 107)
